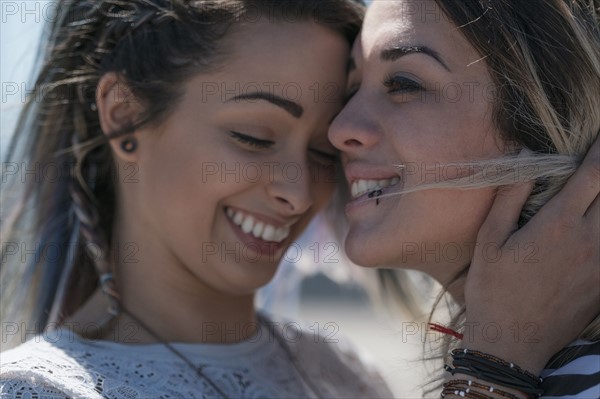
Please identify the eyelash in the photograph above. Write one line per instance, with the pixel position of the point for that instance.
(401, 84)
(326, 158)
(264, 144)
(252, 141)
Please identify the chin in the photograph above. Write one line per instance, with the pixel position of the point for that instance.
(250, 280)
(362, 253)
(242, 288)
(380, 253)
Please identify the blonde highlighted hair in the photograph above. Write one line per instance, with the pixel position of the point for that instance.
(544, 59)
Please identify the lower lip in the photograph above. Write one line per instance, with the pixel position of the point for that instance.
(364, 199)
(254, 244)
(359, 202)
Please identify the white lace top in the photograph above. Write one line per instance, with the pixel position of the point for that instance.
(60, 364)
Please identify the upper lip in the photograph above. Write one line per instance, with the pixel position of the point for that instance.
(266, 219)
(363, 171)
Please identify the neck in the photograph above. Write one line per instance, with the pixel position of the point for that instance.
(166, 296)
(145, 322)
(446, 277)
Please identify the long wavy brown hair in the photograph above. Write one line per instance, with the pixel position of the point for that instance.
(64, 212)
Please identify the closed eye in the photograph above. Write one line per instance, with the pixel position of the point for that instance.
(325, 158)
(251, 141)
(401, 84)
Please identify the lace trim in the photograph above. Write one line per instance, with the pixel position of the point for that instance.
(80, 369)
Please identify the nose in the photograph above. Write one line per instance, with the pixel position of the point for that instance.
(290, 188)
(354, 128)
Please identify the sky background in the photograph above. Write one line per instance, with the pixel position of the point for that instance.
(20, 30)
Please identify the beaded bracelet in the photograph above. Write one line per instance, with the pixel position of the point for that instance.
(465, 394)
(492, 373)
(492, 377)
(495, 370)
(469, 383)
(464, 352)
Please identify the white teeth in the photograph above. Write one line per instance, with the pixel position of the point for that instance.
(361, 186)
(269, 233)
(281, 233)
(258, 229)
(238, 219)
(248, 224)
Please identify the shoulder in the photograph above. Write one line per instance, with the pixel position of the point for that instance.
(574, 372)
(333, 360)
(41, 368)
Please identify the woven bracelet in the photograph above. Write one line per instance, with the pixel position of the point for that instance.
(467, 384)
(498, 375)
(465, 393)
(459, 353)
(504, 384)
(495, 370)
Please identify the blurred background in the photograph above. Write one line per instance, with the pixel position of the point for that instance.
(346, 302)
(316, 284)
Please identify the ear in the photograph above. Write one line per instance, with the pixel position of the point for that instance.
(117, 109)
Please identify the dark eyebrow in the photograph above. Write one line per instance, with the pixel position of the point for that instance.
(393, 53)
(290, 107)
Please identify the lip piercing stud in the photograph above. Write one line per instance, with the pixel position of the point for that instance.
(376, 194)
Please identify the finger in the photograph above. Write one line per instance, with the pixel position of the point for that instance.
(503, 218)
(593, 212)
(583, 187)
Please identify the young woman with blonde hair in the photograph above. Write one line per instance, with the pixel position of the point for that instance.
(447, 102)
(189, 153)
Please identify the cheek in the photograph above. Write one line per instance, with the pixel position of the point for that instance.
(437, 222)
(436, 227)
(441, 131)
(181, 189)
(458, 214)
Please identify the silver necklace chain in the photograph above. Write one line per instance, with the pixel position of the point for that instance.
(197, 369)
(280, 340)
(288, 351)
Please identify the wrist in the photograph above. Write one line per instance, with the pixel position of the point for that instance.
(473, 384)
(504, 341)
(484, 367)
(522, 356)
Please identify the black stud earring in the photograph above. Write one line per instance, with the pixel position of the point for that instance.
(129, 145)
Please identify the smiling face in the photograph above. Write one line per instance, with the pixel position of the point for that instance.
(243, 163)
(420, 99)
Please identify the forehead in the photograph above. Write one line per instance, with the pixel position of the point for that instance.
(286, 48)
(412, 22)
(287, 58)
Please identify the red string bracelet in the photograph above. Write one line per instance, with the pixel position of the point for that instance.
(444, 330)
